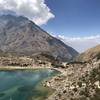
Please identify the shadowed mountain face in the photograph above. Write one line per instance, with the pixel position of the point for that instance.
(20, 36)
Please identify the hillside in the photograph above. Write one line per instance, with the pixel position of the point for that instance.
(79, 80)
(90, 54)
(21, 37)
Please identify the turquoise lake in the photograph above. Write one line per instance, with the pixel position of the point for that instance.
(24, 85)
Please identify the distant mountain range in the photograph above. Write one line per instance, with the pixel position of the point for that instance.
(22, 37)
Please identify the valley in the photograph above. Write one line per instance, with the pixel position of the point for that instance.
(30, 56)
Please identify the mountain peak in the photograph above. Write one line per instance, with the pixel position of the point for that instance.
(20, 36)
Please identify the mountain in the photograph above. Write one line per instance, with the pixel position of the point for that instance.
(92, 53)
(22, 37)
(7, 12)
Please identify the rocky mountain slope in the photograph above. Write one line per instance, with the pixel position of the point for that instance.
(20, 36)
(90, 54)
(78, 80)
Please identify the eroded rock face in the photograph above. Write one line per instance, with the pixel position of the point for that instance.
(20, 36)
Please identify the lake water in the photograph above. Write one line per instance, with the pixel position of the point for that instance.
(24, 85)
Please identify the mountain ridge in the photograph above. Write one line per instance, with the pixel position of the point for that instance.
(20, 36)
(90, 54)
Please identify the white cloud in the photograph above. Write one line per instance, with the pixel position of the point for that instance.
(35, 10)
(80, 43)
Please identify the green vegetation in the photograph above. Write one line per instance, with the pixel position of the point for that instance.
(2, 94)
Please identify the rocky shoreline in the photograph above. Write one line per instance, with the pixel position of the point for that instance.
(69, 84)
(72, 83)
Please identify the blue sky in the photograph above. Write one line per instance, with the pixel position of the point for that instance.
(74, 17)
(75, 22)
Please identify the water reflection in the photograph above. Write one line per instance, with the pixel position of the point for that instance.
(21, 85)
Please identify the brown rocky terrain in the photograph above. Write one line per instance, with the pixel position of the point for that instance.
(90, 54)
(78, 81)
